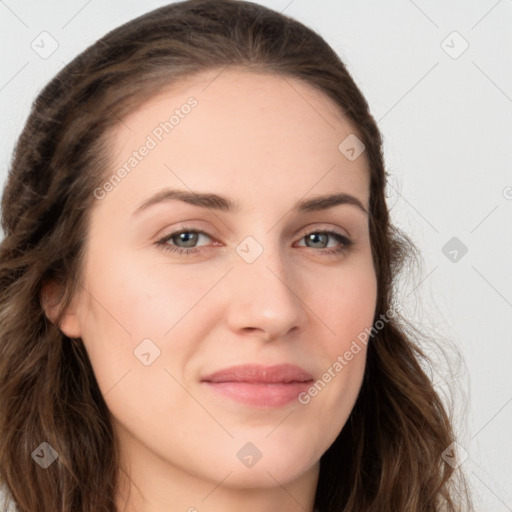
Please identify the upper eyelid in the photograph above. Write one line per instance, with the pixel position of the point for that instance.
(303, 232)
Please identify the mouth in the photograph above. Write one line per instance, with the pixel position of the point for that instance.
(260, 386)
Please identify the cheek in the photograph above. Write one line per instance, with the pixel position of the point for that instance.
(347, 304)
(144, 299)
(132, 302)
(347, 310)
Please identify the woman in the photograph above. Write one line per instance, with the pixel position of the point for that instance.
(248, 368)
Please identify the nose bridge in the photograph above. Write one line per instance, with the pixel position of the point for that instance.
(264, 294)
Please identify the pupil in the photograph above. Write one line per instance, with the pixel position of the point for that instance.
(314, 237)
(188, 237)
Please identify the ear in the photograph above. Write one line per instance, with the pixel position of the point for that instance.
(50, 303)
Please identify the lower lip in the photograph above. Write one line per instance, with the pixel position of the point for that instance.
(260, 394)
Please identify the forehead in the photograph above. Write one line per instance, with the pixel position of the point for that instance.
(248, 131)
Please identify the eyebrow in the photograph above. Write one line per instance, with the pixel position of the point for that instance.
(223, 204)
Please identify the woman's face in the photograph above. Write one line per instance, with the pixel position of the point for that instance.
(261, 286)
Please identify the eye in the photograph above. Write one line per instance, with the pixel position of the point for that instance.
(321, 237)
(187, 236)
(190, 237)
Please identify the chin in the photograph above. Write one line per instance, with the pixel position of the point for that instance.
(272, 463)
(267, 475)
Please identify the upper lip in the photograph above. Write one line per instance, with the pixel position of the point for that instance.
(280, 373)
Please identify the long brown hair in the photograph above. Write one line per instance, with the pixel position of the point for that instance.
(388, 456)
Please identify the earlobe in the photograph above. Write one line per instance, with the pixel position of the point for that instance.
(49, 299)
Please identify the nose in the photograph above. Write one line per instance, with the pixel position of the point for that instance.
(265, 298)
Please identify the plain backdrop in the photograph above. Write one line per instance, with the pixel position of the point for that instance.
(438, 78)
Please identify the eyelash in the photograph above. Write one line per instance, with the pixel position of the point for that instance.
(346, 242)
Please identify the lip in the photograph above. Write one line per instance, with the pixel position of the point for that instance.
(258, 385)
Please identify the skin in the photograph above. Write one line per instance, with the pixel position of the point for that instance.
(265, 142)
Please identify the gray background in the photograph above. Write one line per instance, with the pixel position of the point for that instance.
(446, 118)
